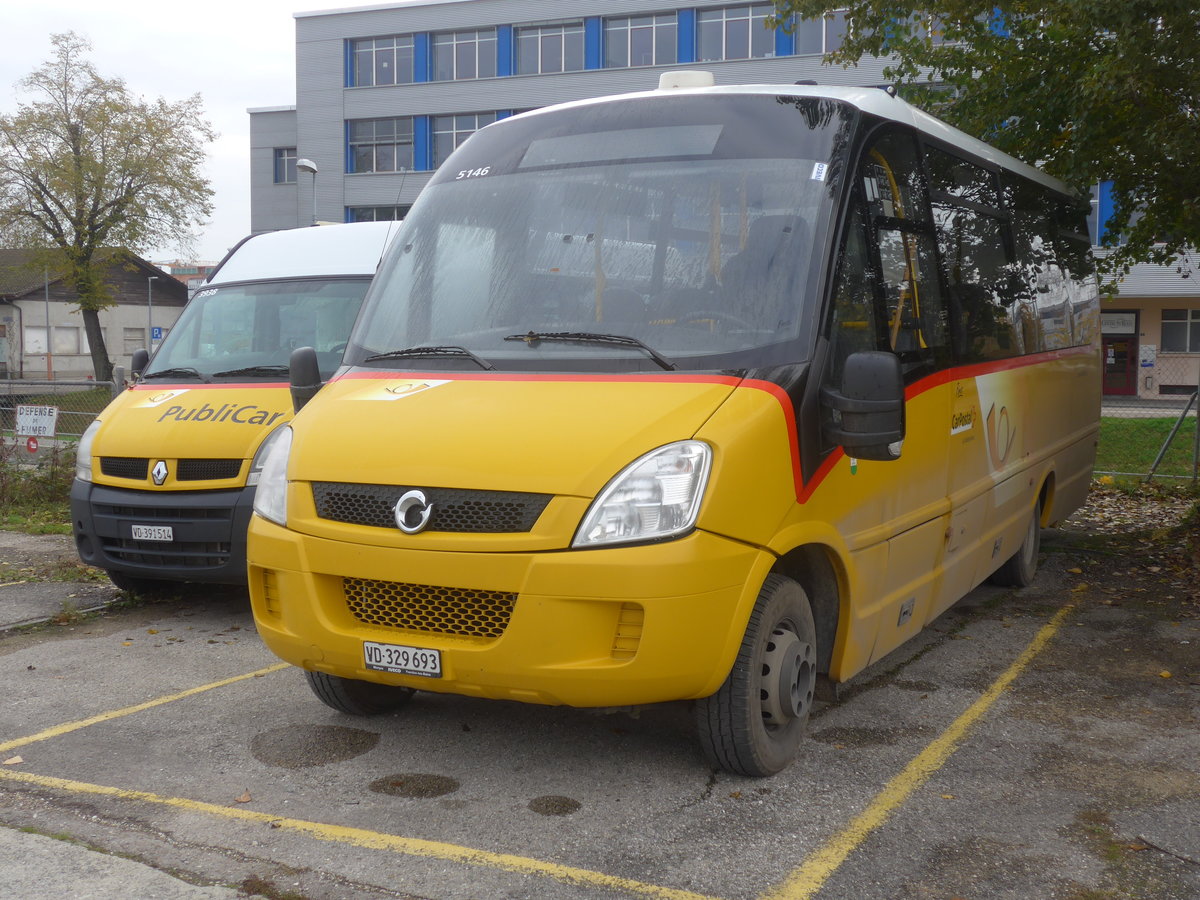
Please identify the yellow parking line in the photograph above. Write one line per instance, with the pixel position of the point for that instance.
(130, 710)
(805, 881)
(374, 840)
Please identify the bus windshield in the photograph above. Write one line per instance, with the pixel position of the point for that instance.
(247, 331)
(647, 233)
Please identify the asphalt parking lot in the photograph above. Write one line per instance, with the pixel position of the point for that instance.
(1039, 743)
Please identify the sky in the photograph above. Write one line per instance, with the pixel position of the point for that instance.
(237, 54)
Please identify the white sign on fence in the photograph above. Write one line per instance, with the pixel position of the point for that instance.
(37, 421)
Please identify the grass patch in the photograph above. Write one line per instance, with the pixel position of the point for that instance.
(1131, 445)
(36, 499)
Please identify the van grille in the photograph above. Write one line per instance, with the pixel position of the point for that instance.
(207, 469)
(124, 467)
(463, 612)
(185, 469)
(471, 512)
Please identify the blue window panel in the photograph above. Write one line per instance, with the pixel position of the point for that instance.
(1105, 208)
(785, 42)
(422, 57)
(422, 144)
(348, 49)
(349, 157)
(686, 36)
(998, 23)
(503, 114)
(504, 50)
(593, 43)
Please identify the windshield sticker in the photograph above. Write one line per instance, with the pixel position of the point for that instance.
(819, 170)
(402, 389)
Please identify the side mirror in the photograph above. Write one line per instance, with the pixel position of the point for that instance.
(139, 361)
(868, 411)
(304, 374)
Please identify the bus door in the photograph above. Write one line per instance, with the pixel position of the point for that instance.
(903, 501)
(982, 429)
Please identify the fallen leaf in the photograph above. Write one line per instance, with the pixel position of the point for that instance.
(245, 798)
(1164, 674)
(1075, 571)
(947, 796)
(13, 761)
(151, 631)
(1083, 586)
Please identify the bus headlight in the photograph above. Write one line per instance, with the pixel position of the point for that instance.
(270, 497)
(83, 452)
(654, 498)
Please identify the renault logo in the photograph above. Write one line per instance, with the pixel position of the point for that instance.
(413, 512)
(159, 472)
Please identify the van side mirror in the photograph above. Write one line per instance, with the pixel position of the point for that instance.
(304, 375)
(868, 411)
(139, 361)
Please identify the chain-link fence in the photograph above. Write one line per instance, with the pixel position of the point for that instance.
(77, 402)
(1149, 427)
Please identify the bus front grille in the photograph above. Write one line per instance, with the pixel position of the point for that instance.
(462, 612)
(460, 511)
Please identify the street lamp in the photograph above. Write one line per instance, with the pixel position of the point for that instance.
(307, 165)
(150, 312)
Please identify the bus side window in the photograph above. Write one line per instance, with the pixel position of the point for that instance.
(902, 240)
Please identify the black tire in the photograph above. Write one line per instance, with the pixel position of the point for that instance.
(754, 724)
(357, 698)
(1020, 568)
(141, 587)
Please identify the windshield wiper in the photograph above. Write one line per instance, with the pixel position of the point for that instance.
(179, 372)
(254, 370)
(588, 337)
(446, 350)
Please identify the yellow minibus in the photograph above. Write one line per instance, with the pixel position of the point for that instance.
(705, 393)
(165, 475)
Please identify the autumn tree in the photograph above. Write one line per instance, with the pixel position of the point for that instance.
(1089, 90)
(87, 169)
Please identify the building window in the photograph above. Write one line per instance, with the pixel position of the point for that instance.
(135, 339)
(823, 35)
(381, 145)
(285, 165)
(736, 32)
(450, 131)
(376, 213)
(1181, 330)
(542, 49)
(381, 61)
(640, 41)
(459, 55)
(65, 337)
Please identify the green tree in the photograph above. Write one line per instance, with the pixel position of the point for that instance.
(1088, 90)
(87, 169)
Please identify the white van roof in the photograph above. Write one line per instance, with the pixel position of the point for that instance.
(353, 249)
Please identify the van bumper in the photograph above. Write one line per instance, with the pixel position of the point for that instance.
(209, 532)
(589, 628)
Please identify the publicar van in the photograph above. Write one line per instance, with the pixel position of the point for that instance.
(708, 394)
(165, 475)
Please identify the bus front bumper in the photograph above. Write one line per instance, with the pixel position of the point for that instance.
(589, 628)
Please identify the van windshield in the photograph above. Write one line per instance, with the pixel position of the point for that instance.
(247, 331)
(685, 227)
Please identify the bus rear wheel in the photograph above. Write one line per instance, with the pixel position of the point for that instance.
(754, 723)
(1020, 568)
(357, 698)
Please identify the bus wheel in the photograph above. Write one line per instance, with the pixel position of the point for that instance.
(357, 698)
(1018, 570)
(753, 724)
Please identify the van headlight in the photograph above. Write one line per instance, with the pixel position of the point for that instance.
(270, 497)
(654, 498)
(83, 451)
